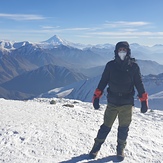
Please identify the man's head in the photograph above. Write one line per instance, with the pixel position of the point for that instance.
(122, 50)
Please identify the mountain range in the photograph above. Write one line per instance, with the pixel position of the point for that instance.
(40, 80)
(30, 69)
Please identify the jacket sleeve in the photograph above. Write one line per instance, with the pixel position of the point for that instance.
(138, 81)
(104, 79)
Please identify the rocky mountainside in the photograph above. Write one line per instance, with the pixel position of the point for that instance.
(84, 90)
(40, 80)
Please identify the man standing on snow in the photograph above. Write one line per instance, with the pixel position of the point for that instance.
(121, 75)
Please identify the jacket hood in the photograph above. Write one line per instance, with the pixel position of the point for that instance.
(122, 44)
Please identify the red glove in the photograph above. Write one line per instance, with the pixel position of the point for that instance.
(144, 102)
(96, 97)
(144, 97)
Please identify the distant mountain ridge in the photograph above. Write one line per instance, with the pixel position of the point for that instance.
(41, 80)
(84, 90)
(19, 59)
(12, 44)
(12, 66)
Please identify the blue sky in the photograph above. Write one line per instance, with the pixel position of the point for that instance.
(83, 21)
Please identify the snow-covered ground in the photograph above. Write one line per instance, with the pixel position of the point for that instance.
(36, 131)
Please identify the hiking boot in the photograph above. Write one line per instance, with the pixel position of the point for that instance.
(96, 147)
(120, 149)
(120, 154)
(93, 155)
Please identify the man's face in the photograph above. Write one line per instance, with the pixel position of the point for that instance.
(122, 52)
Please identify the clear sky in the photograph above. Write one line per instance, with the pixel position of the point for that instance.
(83, 21)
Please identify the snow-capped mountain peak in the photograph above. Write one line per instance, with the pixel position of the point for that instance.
(8, 45)
(56, 40)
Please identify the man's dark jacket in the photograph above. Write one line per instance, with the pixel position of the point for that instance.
(121, 77)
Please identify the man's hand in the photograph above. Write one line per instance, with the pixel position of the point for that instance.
(96, 97)
(144, 102)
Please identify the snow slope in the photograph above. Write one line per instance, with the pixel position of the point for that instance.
(36, 131)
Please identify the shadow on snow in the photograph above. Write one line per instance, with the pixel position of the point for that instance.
(85, 157)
